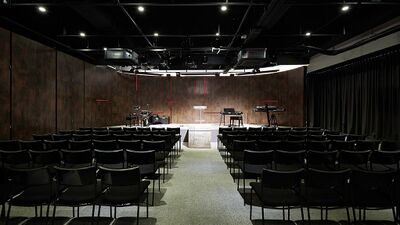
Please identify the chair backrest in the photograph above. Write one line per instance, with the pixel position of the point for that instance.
(85, 128)
(367, 145)
(317, 145)
(45, 158)
(363, 181)
(130, 144)
(70, 132)
(293, 145)
(142, 137)
(298, 132)
(140, 157)
(315, 132)
(100, 133)
(320, 159)
(239, 145)
(122, 137)
(83, 132)
(105, 145)
(296, 137)
(115, 129)
(177, 130)
(385, 158)
(321, 179)
(76, 176)
(30, 176)
(387, 145)
(110, 157)
(63, 144)
(264, 145)
(342, 145)
(102, 137)
(336, 137)
(295, 159)
(19, 158)
(282, 179)
(355, 137)
(42, 137)
(313, 137)
(258, 157)
(80, 145)
(32, 145)
(120, 177)
(331, 132)
(119, 132)
(256, 129)
(82, 137)
(9, 145)
(157, 129)
(353, 157)
(62, 137)
(77, 157)
(154, 145)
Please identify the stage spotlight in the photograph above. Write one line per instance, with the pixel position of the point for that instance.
(345, 8)
(140, 8)
(308, 34)
(224, 8)
(82, 34)
(42, 9)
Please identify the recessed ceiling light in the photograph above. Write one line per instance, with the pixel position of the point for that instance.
(156, 34)
(345, 8)
(224, 8)
(42, 9)
(217, 34)
(140, 8)
(82, 34)
(105, 48)
(308, 34)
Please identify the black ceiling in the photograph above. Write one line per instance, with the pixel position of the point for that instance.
(188, 28)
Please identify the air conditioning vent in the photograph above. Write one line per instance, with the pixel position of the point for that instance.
(121, 57)
(252, 58)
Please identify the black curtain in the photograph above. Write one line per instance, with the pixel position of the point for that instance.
(360, 96)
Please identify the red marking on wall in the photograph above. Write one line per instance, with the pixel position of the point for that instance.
(102, 100)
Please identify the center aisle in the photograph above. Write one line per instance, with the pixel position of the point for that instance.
(201, 191)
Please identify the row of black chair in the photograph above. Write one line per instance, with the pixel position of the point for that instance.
(362, 190)
(73, 187)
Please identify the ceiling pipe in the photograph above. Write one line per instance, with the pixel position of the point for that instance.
(240, 26)
(77, 3)
(134, 23)
(355, 45)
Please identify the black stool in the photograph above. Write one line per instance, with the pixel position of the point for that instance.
(232, 120)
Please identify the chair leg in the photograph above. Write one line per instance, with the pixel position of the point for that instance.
(262, 214)
(98, 214)
(8, 213)
(73, 211)
(36, 212)
(302, 214)
(54, 212)
(147, 202)
(137, 216)
(251, 202)
(111, 216)
(115, 212)
(152, 202)
(308, 215)
(348, 215)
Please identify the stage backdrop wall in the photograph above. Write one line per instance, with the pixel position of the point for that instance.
(47, 90)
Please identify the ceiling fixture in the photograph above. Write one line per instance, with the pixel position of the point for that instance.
(82, 34)
(345, 8)
(308, 34)
(105, 48)
(217, 34)
(155, 34)
(224, 8)
(42, 9)
(140, 8)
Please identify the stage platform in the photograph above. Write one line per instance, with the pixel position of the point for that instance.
(199, 135)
